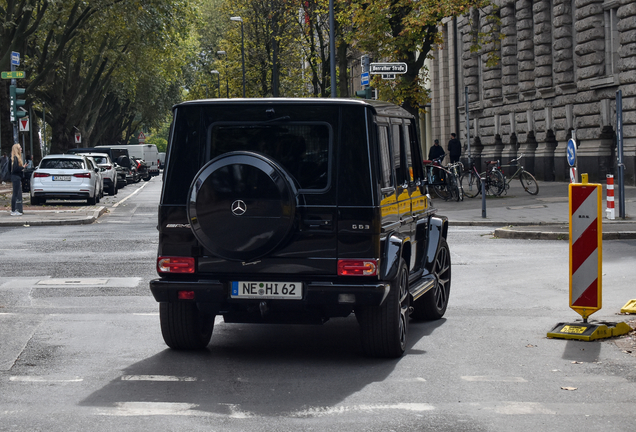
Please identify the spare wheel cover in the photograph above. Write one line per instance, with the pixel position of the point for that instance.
(241, 205)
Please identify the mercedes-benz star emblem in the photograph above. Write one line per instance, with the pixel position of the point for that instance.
(239, 208)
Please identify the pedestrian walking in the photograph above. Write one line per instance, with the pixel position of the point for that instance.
(454, 149)
(17, 171)
(436, 151)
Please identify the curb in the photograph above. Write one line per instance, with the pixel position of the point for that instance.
(514, 233)
(86, 220)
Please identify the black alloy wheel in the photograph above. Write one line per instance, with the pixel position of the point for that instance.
(384, 328)
(433, 304)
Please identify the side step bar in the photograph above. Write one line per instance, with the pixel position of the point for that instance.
(422, 286)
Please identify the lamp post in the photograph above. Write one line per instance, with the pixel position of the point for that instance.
(218, 80)
(239, 19)
(227, 82)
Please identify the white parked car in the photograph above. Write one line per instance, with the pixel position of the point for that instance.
(108, 171)
(64, 176)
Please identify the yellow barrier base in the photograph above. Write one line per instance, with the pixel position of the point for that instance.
(630, 307)
(589, 331)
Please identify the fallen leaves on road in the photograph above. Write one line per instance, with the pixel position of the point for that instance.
(569, 388)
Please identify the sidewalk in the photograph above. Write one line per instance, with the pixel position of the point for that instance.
(65, 214)
(518, 214)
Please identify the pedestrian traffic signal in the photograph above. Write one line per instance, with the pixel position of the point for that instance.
(367, 93)
(15, 103)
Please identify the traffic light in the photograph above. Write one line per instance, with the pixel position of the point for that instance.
(367, 93)
(15, 103)
(365, 61)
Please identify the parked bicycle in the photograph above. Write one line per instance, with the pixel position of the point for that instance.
(528, 182)
(442, 181)
(494, 180)
(457, 168)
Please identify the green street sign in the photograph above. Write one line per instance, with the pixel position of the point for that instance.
(13, 75)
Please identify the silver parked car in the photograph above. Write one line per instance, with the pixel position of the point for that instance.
(108, 170)
(64, 176)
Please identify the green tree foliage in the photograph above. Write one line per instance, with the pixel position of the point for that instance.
(403, 31)
(104, 67)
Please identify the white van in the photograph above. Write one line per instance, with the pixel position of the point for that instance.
(147, 152)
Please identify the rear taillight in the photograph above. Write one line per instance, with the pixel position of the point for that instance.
(41, 174)
(175, 265)
(356, 267)
(108, 167)
(82, 175)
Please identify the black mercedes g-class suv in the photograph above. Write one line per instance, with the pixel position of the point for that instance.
(297, 211)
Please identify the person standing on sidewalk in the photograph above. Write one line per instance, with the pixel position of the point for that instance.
(436, 151)
(454, 148)
(17, 168)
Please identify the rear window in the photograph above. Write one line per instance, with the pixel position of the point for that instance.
(62, 164)
(99, 160)
(301, 148)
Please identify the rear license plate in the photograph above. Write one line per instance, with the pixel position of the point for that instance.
(61, 178)
(267, 290)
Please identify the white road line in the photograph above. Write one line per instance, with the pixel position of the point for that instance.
(483, 378)
(125, 409)
(131, 195)
(39, 379)
(371, 408)
(163, 378)
(513, 408)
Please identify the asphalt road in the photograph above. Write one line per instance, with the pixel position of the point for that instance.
(81, 349)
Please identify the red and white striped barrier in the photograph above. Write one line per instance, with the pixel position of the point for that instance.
(586, 237)
(611, 214)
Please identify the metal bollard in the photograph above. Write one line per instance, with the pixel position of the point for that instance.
(483, 197)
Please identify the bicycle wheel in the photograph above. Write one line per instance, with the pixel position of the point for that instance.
(453, 188)
(529, 183)
(471, 184)
(495, 183)
(441, 190)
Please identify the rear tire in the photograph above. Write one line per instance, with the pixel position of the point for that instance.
(384, 329)
(433, 304)
(453, 186)
(496, 183)
(93, 200)
(529, 183)
(471, 184)
(184, 326)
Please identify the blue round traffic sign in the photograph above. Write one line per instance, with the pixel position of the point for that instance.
(571, 152)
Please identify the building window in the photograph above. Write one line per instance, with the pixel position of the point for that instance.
(612, 42)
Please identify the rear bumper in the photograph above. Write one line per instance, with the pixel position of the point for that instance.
(62, 195)
(314, 293)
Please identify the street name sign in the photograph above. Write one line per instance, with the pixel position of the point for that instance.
(388, 68)
(13, 75)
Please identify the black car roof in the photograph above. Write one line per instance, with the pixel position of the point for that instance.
(380, 107)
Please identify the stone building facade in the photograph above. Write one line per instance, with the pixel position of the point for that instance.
(561, 65)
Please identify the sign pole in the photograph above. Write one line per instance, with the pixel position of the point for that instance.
(30, 134)
(619, 154)
(15, 123)
(467, 127)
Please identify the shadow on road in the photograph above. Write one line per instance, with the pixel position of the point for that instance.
(269, 370)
